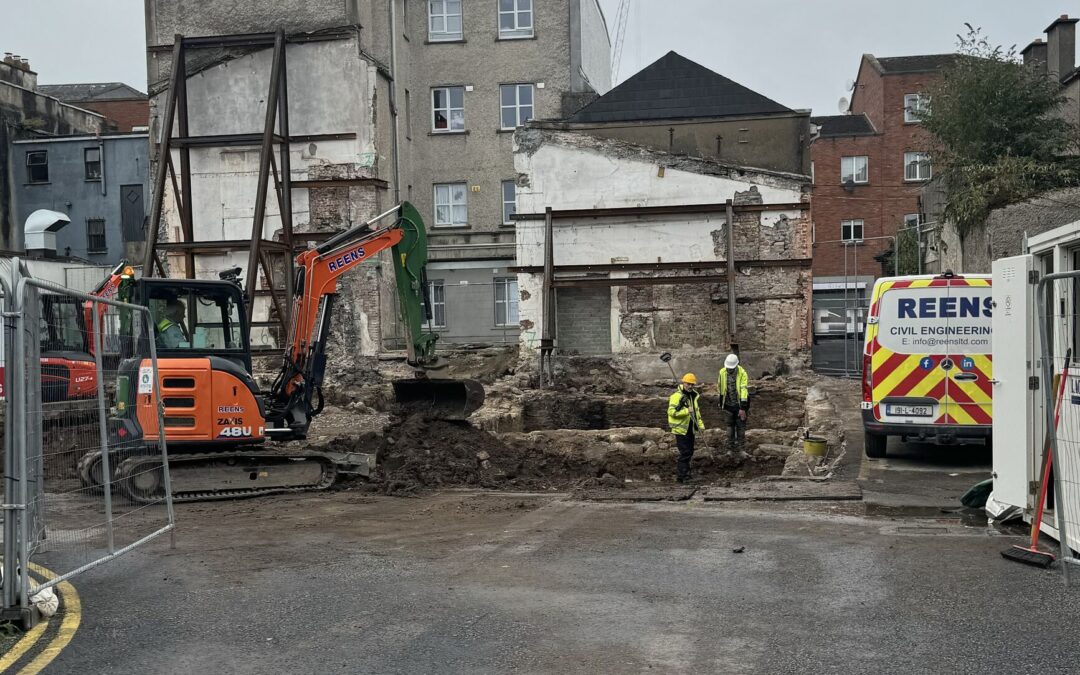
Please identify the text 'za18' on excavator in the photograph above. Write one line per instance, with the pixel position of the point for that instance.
(216, 420)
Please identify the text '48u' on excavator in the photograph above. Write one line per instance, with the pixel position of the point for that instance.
(216, 420)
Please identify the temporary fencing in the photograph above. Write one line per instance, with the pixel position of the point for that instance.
(80, 487)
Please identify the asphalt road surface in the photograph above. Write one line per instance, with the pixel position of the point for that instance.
(466, 583)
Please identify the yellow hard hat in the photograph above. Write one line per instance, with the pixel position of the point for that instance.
(689, 378)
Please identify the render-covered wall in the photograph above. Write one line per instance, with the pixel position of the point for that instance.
(591, 60)
(573, 171)
(1006, 229)
(124, 163)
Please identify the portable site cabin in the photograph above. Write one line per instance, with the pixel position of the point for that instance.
(1027, 380)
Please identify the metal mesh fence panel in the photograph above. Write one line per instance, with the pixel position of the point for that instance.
(96, 463)
(1059, 331)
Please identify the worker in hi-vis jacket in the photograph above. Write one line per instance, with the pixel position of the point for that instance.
(684, 418)
(733, 385)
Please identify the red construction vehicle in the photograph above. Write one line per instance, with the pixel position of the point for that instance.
(216, 419)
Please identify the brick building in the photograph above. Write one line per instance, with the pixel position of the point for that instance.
(126, 108)
(868, 167)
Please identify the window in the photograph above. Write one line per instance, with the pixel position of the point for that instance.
(92, 163)
(915, 106)
(206, 318)
(37, 166)
(506, 302)
(517, 104)
(448, 109)
(408, 115)
(95, 235)
(451, 205)
(917, 166)
(437, 303)
(854, 169)
(851, 230)
(444, 20)
(515, 18)
(509, 199)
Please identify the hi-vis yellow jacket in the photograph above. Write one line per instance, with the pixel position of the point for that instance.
(679, 418)
(742, 385)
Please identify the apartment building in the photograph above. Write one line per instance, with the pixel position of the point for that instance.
(868, 167)
(388, 100)
(472, 71)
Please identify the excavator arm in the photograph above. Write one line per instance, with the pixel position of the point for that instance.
(296, 395)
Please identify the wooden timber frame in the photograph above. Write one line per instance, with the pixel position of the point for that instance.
(274, 135)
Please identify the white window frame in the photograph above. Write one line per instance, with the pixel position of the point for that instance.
(517, 106)
(29, 172)
(87, 162)
(508, 305)
(851, 224)
(854, 172)
(433, 323)
(511, 203)
(520, 30)
(448, 110)
(914, 106)
(450, 204)
(921, 162)
(444, 14)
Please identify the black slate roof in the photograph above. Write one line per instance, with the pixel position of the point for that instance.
(675, 87)
(843, 125)
(915, 64)
(91, 91)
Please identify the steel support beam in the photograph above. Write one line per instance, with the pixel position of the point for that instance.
(162, 165)
(266, 148)
(675, 209)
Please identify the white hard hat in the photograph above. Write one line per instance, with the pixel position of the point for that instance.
(731, 361)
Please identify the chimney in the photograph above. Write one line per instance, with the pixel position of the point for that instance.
(1035, 56)
(1061, 47)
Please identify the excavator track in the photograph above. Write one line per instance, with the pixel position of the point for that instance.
(219, 475)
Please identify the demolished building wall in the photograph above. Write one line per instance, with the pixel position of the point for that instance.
(566, 170)
(337, 109)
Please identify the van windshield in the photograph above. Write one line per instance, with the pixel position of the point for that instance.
(937, 321)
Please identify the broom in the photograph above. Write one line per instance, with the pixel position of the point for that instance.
(1031, 555)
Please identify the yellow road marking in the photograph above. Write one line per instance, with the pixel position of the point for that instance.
(25, 642)
(70, 623)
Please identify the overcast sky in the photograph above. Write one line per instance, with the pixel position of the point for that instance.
(797, 52)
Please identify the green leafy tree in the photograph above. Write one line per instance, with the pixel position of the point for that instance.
(999, 136)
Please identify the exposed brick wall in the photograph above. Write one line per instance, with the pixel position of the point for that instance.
(883, 202)
(583, 320)
(124, 115)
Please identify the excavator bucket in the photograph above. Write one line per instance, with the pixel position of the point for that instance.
(441, 399)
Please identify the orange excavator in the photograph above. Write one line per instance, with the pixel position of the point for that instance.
(218, 424)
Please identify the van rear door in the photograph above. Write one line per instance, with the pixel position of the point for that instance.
(907, 377)
(967, 379)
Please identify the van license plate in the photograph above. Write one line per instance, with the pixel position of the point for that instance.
(909, 410)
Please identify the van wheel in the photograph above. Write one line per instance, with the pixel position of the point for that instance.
(874, 445)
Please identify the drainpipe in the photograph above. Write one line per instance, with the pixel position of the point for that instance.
(101, 162)
(393, 99)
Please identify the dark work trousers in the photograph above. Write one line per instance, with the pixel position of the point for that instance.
(736, 426)
(685, 444)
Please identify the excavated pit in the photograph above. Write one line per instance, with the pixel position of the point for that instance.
(554, 440)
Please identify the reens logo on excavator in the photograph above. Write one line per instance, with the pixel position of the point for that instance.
(345, 260)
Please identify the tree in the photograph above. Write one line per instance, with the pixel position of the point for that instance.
(999, 137)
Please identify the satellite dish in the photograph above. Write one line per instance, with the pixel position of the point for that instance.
(850, 85)
(842, 105)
